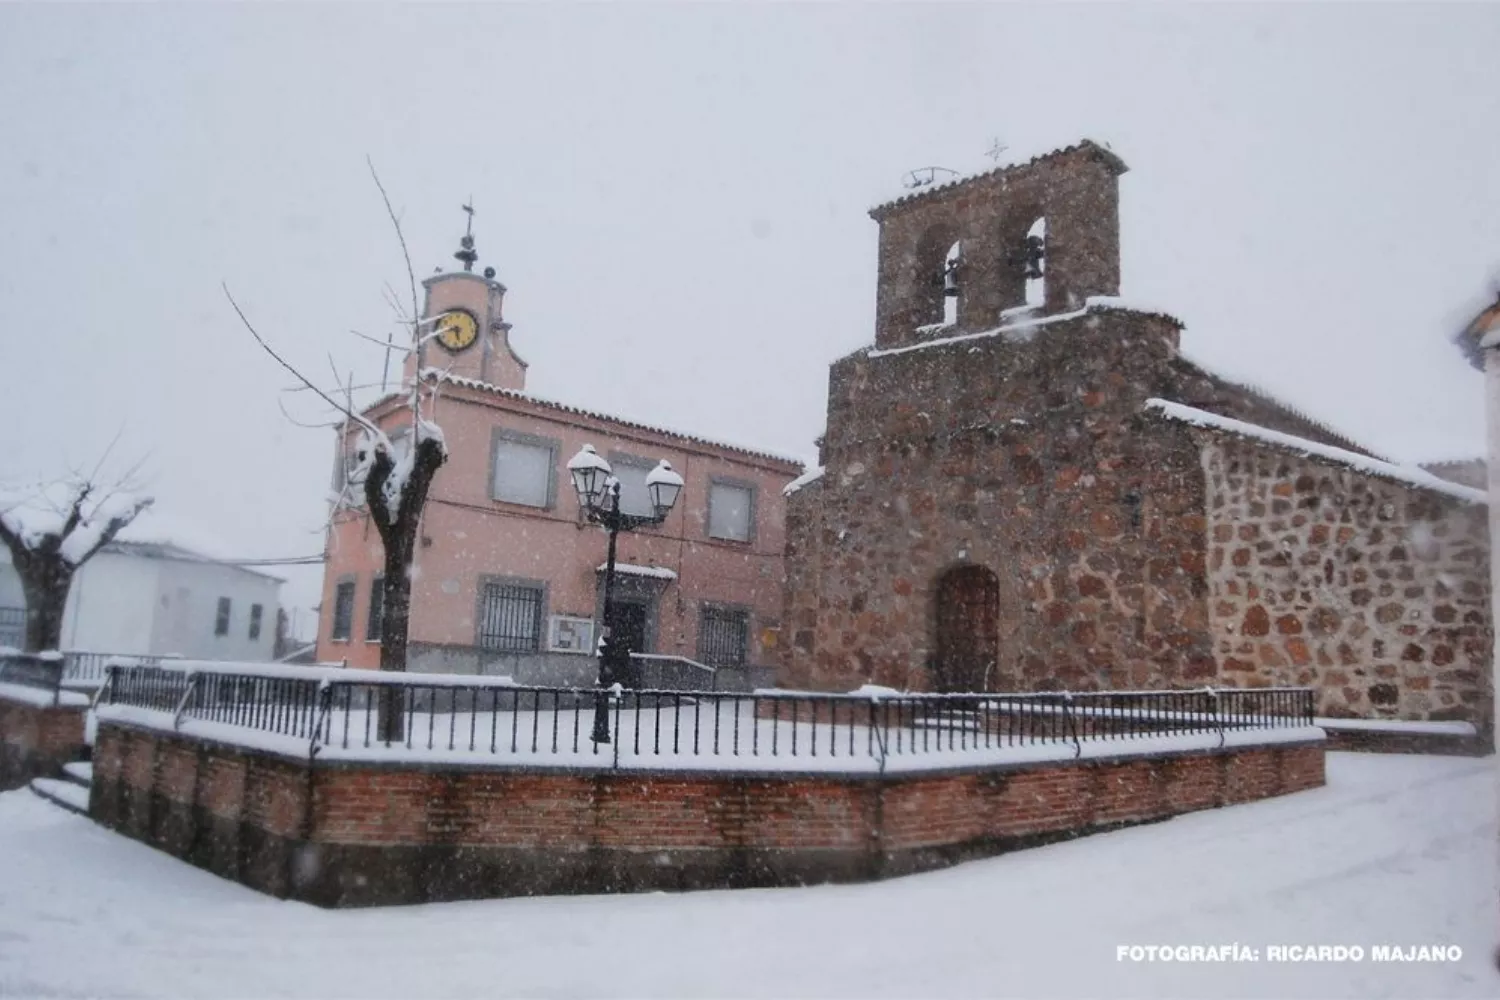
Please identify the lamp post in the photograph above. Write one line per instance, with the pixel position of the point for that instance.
(599, 497)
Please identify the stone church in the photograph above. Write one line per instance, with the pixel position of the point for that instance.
(1026, 486)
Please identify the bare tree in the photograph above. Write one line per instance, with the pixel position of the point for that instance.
(393, 482)
(53, 530)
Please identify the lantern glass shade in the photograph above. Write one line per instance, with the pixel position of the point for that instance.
(590, 475)
(663, 484)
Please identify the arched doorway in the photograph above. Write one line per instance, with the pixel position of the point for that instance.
(968, 629)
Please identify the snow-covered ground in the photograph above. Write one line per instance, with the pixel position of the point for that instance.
(1397, 850)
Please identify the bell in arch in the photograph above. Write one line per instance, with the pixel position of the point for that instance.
(950, 272)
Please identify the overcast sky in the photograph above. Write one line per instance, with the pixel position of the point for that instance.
(676, 197)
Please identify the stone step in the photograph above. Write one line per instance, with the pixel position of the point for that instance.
(79, 772)
(62, 793)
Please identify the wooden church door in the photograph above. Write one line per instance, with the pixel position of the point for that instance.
(968, 629)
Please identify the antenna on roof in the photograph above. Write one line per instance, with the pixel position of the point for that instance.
(924, 176)
(997, 149)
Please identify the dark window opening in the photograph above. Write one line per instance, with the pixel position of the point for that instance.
(221, 620)
(343, 610)
(723, 636)
(255, 614)
(510, 617)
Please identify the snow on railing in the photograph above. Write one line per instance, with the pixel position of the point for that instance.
(372, 716)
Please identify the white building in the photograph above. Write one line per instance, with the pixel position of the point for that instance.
(149, 597)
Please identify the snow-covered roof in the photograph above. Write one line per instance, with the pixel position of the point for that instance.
(158, 534)
(470, 383)
(40, 509)
(810, 476)
(1015, 160)
(631, 569)
(1023, 324)
(1264, 395)
(1408, 475)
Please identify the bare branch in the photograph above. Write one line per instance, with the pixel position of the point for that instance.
(294, 372)
(306, 426)
(94, 476)
(381, 343)
(75, 515)
(411, 275)
(114, 527)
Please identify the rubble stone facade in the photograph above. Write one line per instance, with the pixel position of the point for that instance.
(1375, 593)
(1000, 511)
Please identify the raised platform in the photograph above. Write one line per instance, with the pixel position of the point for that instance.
(1459, 739)
(354, 833)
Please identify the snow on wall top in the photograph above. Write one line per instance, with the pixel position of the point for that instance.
(1024, 325)
(1016, 160)
(631, 569)
(437, 374)
(808, 477)
(1408, 475)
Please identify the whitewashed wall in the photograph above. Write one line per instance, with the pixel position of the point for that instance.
(187, 607)
(11, 595)
(126, 603)
(111, 604)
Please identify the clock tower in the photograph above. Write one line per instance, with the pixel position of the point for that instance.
(470, 337)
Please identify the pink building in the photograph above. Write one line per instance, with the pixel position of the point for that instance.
(509, 577)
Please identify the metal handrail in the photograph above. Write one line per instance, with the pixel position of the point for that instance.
(351, 710)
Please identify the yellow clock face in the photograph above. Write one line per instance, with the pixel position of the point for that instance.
(457, 330)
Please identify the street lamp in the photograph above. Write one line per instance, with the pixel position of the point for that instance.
(599, 497)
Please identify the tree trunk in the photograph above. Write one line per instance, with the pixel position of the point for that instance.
(398, 535)
(395, 626)
(45, 582)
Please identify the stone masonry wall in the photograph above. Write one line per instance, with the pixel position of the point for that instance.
(1024, 453)
(1374, 592)
(340, 834)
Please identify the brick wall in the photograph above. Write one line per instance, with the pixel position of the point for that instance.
(1375, 593)
(37, 741)
(342, 834)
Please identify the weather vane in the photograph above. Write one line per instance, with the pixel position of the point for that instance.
(996, 150)
(466, 252)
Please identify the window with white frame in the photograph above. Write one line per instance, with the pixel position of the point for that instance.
(523, 469)
(731, 511)
(632, 472)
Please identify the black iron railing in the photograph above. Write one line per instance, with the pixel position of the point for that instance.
(13, 627)
(42, 671)
(446, 714)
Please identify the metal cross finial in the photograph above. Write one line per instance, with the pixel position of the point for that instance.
(466, 252)
(996, 150)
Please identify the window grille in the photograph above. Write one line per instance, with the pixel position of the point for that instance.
(723, 636)
(255, 614)
(510, 617)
